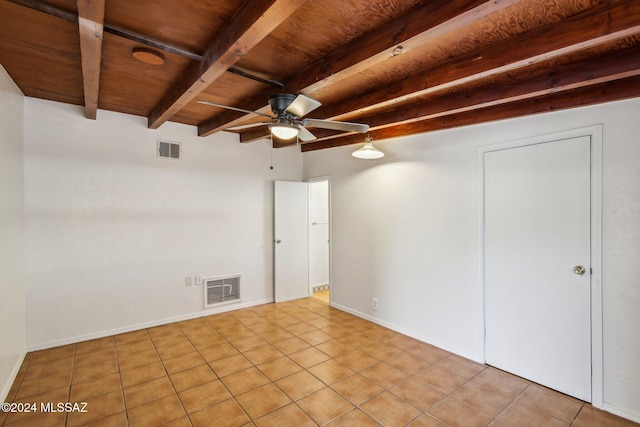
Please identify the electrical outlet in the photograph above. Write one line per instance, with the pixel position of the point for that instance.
(374, 303)
(188, 280)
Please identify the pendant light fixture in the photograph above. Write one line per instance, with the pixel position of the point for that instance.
(368, 151)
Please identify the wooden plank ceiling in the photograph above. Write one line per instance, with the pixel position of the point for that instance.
(400, 66)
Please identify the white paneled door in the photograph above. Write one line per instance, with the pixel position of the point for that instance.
(537, 263)
(291, 240)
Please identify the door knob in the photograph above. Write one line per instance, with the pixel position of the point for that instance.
(278, 241)
(579, 270)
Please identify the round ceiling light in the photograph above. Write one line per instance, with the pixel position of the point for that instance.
(283, 130)
(148, 56)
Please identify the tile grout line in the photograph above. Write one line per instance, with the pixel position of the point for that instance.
(124, 400)
(511, 403)
(119, 376)
(327, 385)
(577, 414)
(217, 376)
(274, 382)
(17, 390)
(295, 402)
(73, 366)
(168, 376)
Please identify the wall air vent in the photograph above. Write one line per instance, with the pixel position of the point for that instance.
(168, 149)
(221, 290)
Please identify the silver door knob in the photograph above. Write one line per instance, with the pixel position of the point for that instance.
(579, 270)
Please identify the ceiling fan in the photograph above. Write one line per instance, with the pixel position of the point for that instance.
(287, 122)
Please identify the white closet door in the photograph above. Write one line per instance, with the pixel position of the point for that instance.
(537, 240)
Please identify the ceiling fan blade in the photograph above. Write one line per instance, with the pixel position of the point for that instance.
(305, 135)
(343, 126)
(213, 104)
(248, 126)
(302, 105)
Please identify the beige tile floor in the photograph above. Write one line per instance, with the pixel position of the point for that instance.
(299, 363)
(322, 295)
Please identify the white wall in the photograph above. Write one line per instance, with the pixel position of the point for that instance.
(12, 283)
(318, 233)
(404, 230)
(112, 231)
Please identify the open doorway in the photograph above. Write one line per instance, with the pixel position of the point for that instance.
(301, 239)
(319, 217)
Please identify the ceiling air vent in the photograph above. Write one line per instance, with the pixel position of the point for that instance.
(221, 290)
(168, 149)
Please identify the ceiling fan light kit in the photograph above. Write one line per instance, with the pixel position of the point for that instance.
(283, 130)
(368, 151)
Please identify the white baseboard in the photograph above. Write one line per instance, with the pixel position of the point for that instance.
(445, 346)
(12, 377)
(627, 413)
(102, 334)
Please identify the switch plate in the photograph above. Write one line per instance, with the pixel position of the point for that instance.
(188, 281)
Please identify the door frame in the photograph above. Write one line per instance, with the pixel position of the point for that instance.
(327, 178)
(595, 134)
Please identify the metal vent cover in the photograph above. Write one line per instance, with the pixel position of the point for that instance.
(168, 149)
(221, 290)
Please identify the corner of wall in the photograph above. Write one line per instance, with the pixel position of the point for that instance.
(12, 273)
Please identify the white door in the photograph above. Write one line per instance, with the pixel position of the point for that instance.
(537, 231)
(291, 251)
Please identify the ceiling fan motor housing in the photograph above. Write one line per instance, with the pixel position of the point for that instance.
(280, 102)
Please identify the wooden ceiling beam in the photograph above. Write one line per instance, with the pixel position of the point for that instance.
(616, 66)
(414, 29)
(138, 37)
(251, 24)
(91, 27)
(575, 34)
(600, 26)
(589, 72)
(590, 95)
(229, 118)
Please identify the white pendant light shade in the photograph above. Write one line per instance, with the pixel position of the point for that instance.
(283, 130)
(368, 151)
